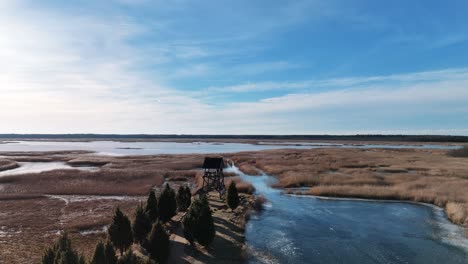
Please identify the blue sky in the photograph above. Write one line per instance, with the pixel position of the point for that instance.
(234, 67)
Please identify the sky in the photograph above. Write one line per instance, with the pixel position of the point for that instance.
(234, 67)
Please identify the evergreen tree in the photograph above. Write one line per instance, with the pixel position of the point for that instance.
(189, 222)
(198, 223)
(141, 225)
(188, 195)
(48, 257)
(232, 196)
(167, 205)
(129, 258)
(81, 260)
(152, 207)
(67, 257)
(184, 198)
(61, 253)
(159, 243)
(110, 253)
(120, 231)
(205, 230)
(99, 256)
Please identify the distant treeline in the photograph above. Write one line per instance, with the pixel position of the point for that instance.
(405, 138)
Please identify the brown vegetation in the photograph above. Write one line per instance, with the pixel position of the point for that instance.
(36, 206)
(28, 226)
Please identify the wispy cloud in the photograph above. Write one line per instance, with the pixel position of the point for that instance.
(77, 70)
(390, 81)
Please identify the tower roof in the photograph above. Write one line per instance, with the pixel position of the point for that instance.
(213, 163)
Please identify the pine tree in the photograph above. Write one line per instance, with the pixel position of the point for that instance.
(204, 231)
(129, 258)
(184, 197)
(152, 207)
(188, 222)
(188, 196)
(61, 253)
(198, 223)
(99, 256)
(167, 205)
(48, 257)
(81, 260)
(232, 196)
(120, 231)
(67, 257)
(141, 225)
(110, 253)
(159, 243)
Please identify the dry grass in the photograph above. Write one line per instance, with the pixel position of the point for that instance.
(117, 175)
(31, 220)
(429, 176)
(242, 186)
(31, 225)
(105, 182)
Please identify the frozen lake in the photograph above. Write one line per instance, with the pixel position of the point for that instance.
(152, 148)
(298, 229)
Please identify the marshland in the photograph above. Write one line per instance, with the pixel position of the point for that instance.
(308, 131)
(80, 196)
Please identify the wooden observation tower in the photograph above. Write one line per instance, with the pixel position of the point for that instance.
(213, 177)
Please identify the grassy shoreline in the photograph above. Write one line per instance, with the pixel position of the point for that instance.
(428, 176)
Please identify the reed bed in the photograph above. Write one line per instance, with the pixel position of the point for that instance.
(106, 182)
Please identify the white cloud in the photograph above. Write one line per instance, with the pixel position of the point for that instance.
(65, 73)
(395, 80)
